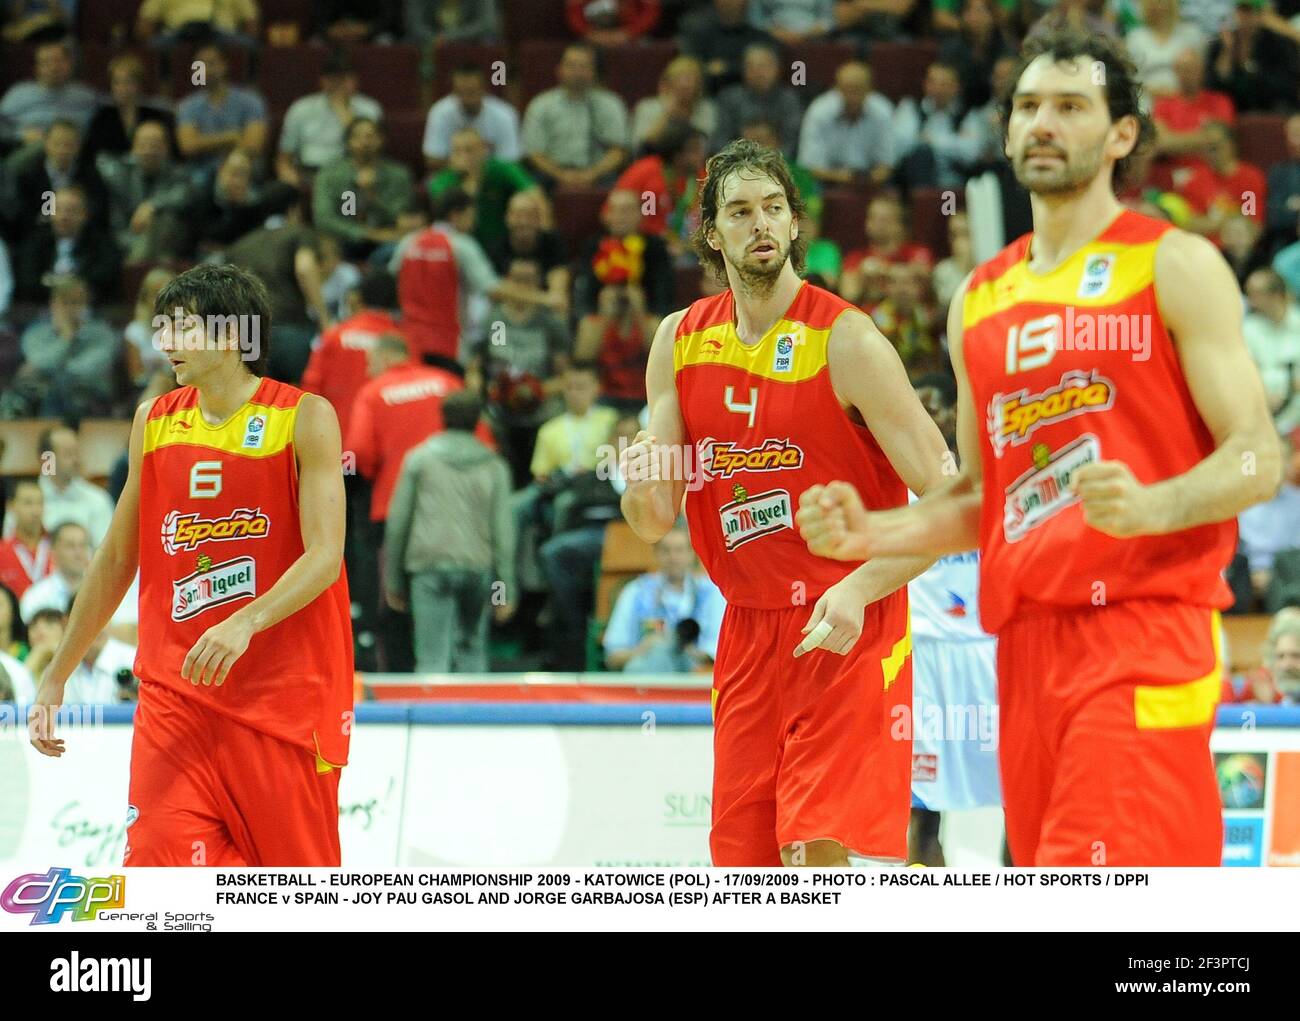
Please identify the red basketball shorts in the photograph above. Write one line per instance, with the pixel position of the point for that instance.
(1105, 718)
(814, 748)
(207, 790)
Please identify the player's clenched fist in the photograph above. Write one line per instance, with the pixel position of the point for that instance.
(1114, 501)
(834, 523)
(640, 462)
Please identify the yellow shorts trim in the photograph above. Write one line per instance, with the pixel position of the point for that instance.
(893, 663)
(1160, 706)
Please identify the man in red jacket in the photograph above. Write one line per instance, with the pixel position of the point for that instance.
(25, 555)
(337, 370)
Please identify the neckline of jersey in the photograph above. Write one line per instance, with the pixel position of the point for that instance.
(1064, 263)
(233, 415)
(758, 344)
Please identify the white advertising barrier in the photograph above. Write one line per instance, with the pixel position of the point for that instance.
(529, 784)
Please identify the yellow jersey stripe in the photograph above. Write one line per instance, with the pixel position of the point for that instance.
(186, 426)
(1160, 706)
(1133, 272)
(719, 345)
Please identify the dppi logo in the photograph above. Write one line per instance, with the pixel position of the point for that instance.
(49, 897)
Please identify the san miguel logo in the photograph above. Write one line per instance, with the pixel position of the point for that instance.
(213, 586)
(751, 517)
(181, 532)
(725, 458)
(1014, 418)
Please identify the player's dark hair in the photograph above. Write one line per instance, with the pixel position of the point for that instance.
(227, 291)
(461, 410)
(1119, 81)
(378, 289)
(744, 157)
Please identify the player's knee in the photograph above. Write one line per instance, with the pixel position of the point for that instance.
(817, 854)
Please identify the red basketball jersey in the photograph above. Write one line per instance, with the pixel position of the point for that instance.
(765, 424)
(1068, 368)
(218, 527)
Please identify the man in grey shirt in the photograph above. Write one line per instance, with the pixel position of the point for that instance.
(760, 96)
(576, 133)
(846, 131)
(449, 542)
(315, 125)
(139, 184)
(29, 107)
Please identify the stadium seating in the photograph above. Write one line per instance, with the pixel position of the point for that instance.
(447, 56)
(107, 21)
(898, 69)
(1261, 138)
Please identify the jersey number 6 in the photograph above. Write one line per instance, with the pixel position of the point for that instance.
(205, 480)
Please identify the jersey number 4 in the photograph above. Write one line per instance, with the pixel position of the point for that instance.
(729, 398)
(205, 480)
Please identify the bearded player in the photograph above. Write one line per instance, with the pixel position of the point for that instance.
(755, 394)
(1111, 427)
(233, 511)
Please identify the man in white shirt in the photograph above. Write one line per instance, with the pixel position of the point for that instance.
(315, 125)
(469, 106)
(70, 550)
(97, 680)
(847, 131)
(1272, 333)
(69, 497)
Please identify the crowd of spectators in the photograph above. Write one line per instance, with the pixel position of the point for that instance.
(481, 356)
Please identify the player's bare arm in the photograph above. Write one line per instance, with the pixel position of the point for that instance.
(867, 375)
(101, 593)
(1201, 306)
(654, 463)
(321, 519)
(945, 520)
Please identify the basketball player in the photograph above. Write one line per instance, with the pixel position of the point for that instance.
(765, 389)
(1111, 427)
(233, 510)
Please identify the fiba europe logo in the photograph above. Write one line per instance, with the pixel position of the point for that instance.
(49, 897)
(1241, 780)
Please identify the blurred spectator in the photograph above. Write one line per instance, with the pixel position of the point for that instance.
(680, 100)
(70, 550)
(68, 496)
(666, 621)
(284, 258)
(624, 255)
(103, 677)
(933, 143)
(887, 242)
(1253, 64)
(68, 359)
(1181, 116)
(611, 22)
(668, 182)
(139, 184)
(344, 22)
(164, 23)
(25, 555)
(449, 544)
(338, 278)
(1090, 16)
(144, 361)
(790, 22)
(470, 106)
(570, 443)
(316, 126)
(218, 118)
(521, 362)
(587, 503)
(113, 126)
(38, 170)
(717, 36)
(219, 211)
(951, 271)
(358, 198)
(985, 121)
(617, 338)
(16, 682)
(870, 21)
(28, 108)
(907, 319)
(6, 284)
(1222, 186)
(847, 134)
(1282, 657)
(13, 632)
(576, 133)
(1239, 240)
(444, 281)
(28, 21)
(1210, 16)
(526, 238)
(973, 46)
(1156, 43)
(1268, 530)
(1272, 333)
(491, 182)
(451, 20)
(44, 632)
(760, 93)
(1284, 188)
